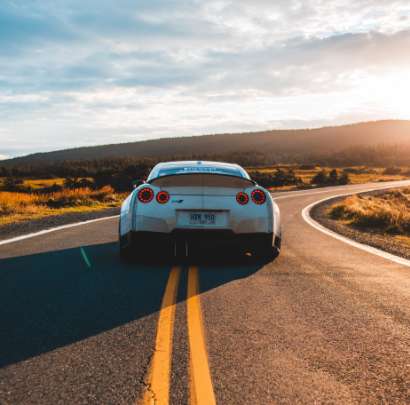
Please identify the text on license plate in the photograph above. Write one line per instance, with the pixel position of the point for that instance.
(202, 218)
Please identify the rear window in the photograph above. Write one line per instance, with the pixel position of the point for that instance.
(200, 169)
(202, 180)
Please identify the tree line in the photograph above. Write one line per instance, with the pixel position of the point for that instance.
(120, 173)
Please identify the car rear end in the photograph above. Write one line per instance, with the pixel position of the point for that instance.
(181, 211)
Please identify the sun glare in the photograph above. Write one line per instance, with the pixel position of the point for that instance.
(394, 94)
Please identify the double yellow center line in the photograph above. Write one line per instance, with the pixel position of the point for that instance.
(158, 379)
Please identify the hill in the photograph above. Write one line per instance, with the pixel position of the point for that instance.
(275, 146)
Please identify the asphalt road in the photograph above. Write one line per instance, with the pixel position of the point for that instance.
(323, 323)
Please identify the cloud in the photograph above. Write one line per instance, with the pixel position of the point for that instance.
(94, 72)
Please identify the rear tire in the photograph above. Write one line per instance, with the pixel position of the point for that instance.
(126, 252)
(125, 244)
(266, 250)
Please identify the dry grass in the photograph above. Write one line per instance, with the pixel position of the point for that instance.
(387, 212)
(42, 183)
(372, 175)
(21, 206)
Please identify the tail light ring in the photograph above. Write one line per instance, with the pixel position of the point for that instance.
(162, 197)
(242, 198)
(258, 197)
(145, 195)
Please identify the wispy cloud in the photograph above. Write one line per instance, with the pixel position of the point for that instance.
(82, 73)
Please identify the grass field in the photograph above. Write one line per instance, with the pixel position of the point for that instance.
(357, 174)
(20, 206)
(387, 212)
(15, 206)
(41, 183)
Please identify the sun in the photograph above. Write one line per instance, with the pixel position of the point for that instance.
(394, 93)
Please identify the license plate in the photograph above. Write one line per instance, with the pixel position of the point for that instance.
(202, 218)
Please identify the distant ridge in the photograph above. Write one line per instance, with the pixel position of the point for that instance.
(279, 143)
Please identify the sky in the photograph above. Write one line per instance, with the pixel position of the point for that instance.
(79, 73)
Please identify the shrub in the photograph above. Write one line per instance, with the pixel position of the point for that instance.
(343, 179)
(307, 167)
(392, 170)
(277, 179)
(105, 194)
(359, 170)
(123, 179)
(51, 189)
(73, 183)
(11, 183)
(332, 179)
(320, 178)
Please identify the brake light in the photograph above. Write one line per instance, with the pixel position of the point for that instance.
(242, 198)
(163, 197)
(145, 195)
(258, 197)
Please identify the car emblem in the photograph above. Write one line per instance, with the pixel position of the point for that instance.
(177, 201)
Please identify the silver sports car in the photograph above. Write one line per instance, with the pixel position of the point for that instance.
(186, 204)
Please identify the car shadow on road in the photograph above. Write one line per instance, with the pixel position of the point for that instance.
(53, 299)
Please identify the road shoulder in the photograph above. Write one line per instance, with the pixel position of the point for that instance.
(384, 242)
(27, 227)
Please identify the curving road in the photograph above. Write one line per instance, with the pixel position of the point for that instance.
(323, 323)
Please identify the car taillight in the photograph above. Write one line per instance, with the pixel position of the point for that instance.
(145, 195)
(242, 198)
(163, 197)
(258, 196)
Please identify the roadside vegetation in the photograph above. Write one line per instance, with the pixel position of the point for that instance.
(299, 177)
(386, 212)
(35, 192)
(19, 205)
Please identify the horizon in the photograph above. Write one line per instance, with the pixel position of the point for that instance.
(93, 73)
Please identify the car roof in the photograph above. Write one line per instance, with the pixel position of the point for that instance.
(197, 166)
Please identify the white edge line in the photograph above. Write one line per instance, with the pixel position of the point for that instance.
(370, 249)
(57, 228)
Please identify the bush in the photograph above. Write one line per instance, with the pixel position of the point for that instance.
(73, 183)
(343, 179)
(392, 170)
(359, 170)
(320, 178)
(124, 179)
(307, 167)
(12, 184)
(51, 189)
(330, 179)
(277, 179)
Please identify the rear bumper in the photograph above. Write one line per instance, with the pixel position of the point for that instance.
(202, 237)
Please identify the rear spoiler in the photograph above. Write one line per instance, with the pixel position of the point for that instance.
(244, 179)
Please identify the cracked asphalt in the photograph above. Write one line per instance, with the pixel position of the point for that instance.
(323, 323)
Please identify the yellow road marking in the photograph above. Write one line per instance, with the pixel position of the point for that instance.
(158, 379)
(201, 389)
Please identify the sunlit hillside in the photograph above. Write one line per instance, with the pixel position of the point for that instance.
(350, 144)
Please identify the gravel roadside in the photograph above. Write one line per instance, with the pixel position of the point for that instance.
(25, 227)
(378, 240)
